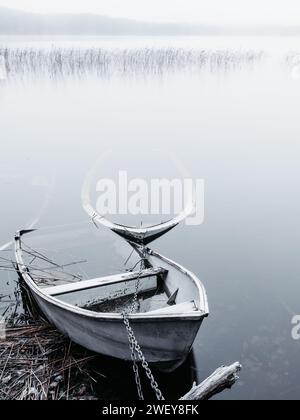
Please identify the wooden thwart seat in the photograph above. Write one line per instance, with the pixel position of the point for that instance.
(103, 281)
(185, 307)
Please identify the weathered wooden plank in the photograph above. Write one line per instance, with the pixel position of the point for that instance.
(223, 378)
(102, 281)
(88, 297)
(184, 307)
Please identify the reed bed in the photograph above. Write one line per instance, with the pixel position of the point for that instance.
(38, 363)
(67, 62)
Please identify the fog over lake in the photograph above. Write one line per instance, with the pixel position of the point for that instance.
(228, 110)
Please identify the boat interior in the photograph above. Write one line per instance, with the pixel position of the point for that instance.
(156, 293)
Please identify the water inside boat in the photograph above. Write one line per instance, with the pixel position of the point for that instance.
(146, 302)
(115, 294)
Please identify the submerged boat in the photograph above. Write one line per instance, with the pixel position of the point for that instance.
(138, 235)
(171, 305)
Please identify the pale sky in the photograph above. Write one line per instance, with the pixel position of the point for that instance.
(285, 12)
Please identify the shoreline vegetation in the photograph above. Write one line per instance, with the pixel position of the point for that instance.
(38, 363)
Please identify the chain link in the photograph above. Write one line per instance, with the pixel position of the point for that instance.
(135, 348)
(136, 372)
(135, 304)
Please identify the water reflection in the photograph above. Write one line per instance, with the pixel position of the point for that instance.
(118, 380)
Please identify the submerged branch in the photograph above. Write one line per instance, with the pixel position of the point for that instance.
(223, 378)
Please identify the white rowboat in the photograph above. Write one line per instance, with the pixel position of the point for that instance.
(172, 307)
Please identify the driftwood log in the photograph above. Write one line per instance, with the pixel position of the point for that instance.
(223, 378)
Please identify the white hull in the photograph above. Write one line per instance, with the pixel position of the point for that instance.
(162, 340)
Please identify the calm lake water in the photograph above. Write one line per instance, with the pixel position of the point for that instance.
(228, 109)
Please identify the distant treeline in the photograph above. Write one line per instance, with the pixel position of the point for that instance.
(14, 22)
(17, 22)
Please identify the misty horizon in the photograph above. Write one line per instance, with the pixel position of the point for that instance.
(20, 22)
(183, 12)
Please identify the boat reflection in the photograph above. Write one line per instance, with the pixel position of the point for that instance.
(119, 383)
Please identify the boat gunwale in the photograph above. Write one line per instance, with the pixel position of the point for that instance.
(203, 310)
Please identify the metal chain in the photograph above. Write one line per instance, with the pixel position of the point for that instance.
(136, 349)
(135, 368)
(136, 372)
(135, 306)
